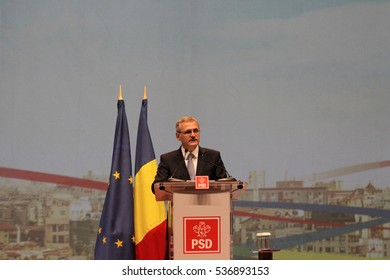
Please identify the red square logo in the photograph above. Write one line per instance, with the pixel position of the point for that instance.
(202, 182)
(202, 235)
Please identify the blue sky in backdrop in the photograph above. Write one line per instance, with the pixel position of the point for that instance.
(292, 87)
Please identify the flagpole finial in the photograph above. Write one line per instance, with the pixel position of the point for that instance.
(120, 93)
(145, 93)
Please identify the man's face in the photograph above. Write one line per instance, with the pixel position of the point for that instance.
(189, 135)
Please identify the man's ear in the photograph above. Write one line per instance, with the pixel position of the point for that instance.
(177, 136)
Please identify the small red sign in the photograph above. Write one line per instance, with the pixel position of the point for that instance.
(202, 235)
(202, 182)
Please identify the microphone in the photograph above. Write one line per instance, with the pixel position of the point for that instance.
(228, 178)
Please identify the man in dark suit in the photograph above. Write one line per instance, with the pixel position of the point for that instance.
(173, 165)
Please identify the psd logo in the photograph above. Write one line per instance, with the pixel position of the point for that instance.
(202, 235)
(202, 182)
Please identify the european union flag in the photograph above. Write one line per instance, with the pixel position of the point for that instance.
(115, 239)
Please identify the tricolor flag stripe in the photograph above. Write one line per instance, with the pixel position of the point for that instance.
(150, 215)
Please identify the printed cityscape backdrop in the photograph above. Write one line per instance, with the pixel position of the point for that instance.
(46, 216)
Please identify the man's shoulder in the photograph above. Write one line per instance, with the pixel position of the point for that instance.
(171, 153)
(203, 150)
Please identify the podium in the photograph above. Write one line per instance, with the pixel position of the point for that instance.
(200, 219)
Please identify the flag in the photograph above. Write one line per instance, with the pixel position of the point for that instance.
(150, 215)
(115, 239)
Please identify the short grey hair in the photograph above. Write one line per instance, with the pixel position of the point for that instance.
(185, 119)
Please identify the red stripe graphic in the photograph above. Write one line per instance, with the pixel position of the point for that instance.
(51, 178)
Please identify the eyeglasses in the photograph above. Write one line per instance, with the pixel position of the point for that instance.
(190, 131)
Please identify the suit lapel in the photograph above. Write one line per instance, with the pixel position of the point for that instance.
(201, 161)
(182, 172)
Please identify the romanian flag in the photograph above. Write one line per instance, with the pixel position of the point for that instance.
(150, 215)
(115, 239)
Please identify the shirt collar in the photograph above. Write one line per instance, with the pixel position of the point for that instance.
(194, 152)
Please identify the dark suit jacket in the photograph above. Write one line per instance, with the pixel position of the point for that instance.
(172, 165)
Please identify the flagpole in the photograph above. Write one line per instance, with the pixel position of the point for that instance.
(116, 232)
(120, 93)
(149, 215)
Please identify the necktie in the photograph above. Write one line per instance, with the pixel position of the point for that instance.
(190, 166)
